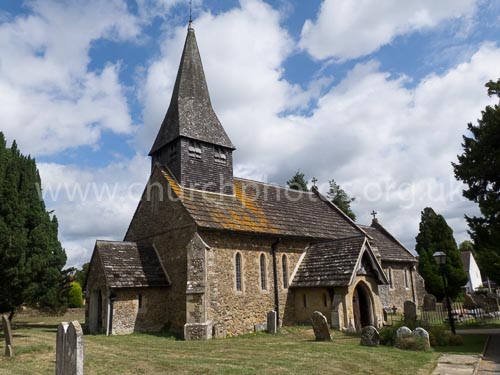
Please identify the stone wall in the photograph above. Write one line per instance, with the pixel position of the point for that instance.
(168, 226)
(309, 300)
(96, 282)
(150, 316)
(238, 311)
(411, 289)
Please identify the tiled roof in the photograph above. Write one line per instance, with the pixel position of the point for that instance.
(127, 265)
(389, 248)
(331, 264)
(190, 113)
(265, 209)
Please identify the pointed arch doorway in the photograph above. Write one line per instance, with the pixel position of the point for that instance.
(362, 306)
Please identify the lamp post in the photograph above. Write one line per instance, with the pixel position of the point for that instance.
(440, 258)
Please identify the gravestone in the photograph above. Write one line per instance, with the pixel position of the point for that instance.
(7, 331)
(69, 349)
(369, 336)
(271, 322)
(403, 332)
(320, 327)
(261, 327)
(429, 302)
(220, 331)
(61, 347)
(420, 332)
(410, 311)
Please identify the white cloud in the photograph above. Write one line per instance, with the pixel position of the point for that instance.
(50, 99)
(347, 29)
(92, 204)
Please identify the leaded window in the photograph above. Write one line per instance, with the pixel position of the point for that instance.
(237, 262)
(263, 278)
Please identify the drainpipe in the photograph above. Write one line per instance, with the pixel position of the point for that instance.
(274, 247)
(112, 297)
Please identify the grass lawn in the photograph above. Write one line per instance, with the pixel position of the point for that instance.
(292, 351)
(473, 344)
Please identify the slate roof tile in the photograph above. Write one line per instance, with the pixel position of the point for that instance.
(388, 247)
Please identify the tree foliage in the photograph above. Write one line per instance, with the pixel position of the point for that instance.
(479, 168)
(339, 197)
(31, 256)
(435, 235)
(75, 295)
(298, 182)
(81, 275)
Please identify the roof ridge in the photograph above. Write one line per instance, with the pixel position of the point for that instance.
(272, 184)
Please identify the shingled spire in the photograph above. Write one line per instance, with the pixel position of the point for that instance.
(191, 129)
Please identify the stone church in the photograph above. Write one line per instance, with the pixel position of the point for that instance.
(208, 254)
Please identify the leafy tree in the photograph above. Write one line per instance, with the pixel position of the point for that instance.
(298, 182)
(31, 256)
(75, 295)
(466, 246)
(479, 168)
(81, 275)
(435, 235)
(339, 197)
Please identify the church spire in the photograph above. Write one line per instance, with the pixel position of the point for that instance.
(190, 113)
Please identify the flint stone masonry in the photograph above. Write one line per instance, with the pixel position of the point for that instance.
(403, 332)
(198, 331)
(429, 302)
(410, 311)
(69, 349)
(320, 327)
(271, 322)
(7, 331)
(369, 336)
(420, 332)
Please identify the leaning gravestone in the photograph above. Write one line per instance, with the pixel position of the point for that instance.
(403, 332)
(271, 322)
(69, 349)
(7, 331)
(410, 311)
(369, 336)
(420, 332)
(320, 327)
(429, 302)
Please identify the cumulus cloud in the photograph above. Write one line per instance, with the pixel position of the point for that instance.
(93, 203)
(50, 99)
(347, 29)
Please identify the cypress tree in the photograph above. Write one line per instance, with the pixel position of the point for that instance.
(435, 235)
(298, 182)
(30, 253)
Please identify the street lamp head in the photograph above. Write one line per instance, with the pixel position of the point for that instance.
(439, 257)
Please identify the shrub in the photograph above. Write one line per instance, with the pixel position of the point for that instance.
(440, 336)
(388, 335)
(75, 295)
(411, 343)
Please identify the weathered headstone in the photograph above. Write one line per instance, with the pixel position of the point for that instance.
(271, 322)
(403, 332)
(69, 349)
(320, 327)
(7, 331)
(261, 327)
(429, 302)
(410, 311)
(369, 336)
(220, 332)
(61, 348)
(420, 332)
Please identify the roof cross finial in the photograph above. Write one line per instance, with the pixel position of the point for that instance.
(190, 14)
(374, 214)
(314, 180)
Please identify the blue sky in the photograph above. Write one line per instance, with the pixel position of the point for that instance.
(375, 94)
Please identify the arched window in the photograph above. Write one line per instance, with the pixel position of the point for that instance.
(237, 264)
(407, 284)
(284, 265)
(263, 277)
(391, 279)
